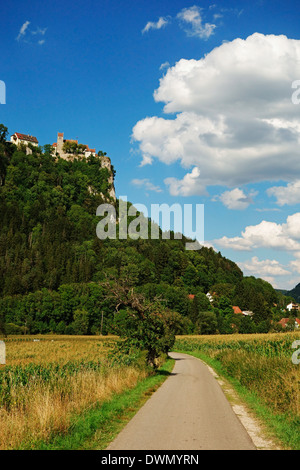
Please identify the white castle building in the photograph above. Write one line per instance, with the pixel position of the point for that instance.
(24, 139)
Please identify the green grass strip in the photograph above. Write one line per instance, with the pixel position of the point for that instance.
(97, 427)
(283, 428)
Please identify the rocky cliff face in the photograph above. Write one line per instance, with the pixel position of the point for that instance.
(106, 163)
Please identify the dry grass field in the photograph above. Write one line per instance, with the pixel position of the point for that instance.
(22, 350)
(47, 380)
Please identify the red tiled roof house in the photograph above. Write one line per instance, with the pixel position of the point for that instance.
(284, 321)
(18, 138)
(236, 309)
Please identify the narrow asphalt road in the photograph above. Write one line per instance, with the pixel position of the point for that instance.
(188, 412)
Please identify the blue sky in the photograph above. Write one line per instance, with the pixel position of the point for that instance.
(191, 100)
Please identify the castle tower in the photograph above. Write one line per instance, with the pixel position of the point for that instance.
(60, 143)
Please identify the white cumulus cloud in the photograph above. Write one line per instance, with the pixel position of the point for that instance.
(188, 186)
(289, 194)
(295, 264)
(231, 114)
(263, 268)
(267, 234)
(236, 199)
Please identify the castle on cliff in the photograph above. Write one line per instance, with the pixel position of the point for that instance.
(68, 150)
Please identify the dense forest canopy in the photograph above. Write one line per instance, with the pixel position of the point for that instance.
(295, 293)
(53, 267)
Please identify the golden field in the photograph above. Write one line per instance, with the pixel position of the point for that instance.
(45, 383)
(22, 350)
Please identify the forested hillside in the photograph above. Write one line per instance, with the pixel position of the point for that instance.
(295, 293)
(53, 267)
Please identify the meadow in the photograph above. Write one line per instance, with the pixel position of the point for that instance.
(47, 380)
(262, 369)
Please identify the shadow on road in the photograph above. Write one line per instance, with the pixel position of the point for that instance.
(165, 372)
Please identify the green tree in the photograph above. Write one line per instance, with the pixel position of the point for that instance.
(146, 325)
(61, 328)
(81, 322)
(207, 323)
(224, 305)
(247, 325)
(190, 277)
(3, 133)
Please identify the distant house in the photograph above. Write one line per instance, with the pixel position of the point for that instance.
(236, 309)
(247, 313)
(18, 139)
(24, 139)
(292, 306)
(284, 321)
(210, 297)
(88, 152)
(191, 296)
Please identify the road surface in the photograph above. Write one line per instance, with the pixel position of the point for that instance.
(188, 412)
